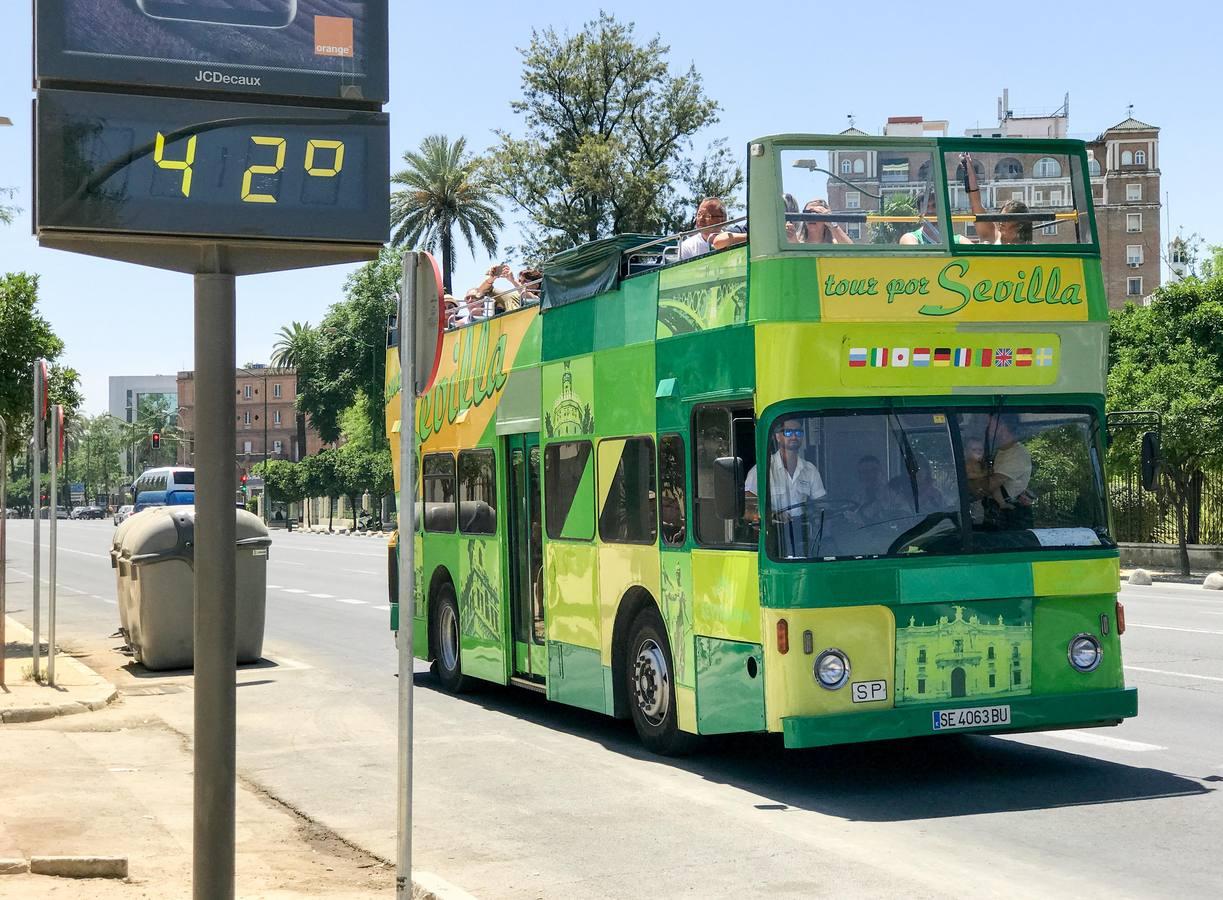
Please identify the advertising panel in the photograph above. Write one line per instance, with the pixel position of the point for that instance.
(333, 49)
(199, 168)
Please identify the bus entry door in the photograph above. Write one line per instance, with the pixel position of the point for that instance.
(526, 556)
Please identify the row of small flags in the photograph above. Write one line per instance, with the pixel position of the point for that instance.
(942, 357)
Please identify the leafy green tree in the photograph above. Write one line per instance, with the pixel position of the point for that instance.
(607, 146)
(347, 355)
(321, 478)
(95, 452)
(890, 232)
(8, 213)
(443, 188)
(293, 350)
(24, 337)
(1168, 357)
(283, 481)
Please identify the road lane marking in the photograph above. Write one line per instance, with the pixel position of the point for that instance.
(383, 608)
(374, 571)
(323, 596)
(1100, 740)
(1171, 628)
(294, 591)
(62, 549)
(1177, 674)
(351, 601)
(274, 587)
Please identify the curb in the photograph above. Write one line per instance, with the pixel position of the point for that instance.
(427, 886)
(79, 866)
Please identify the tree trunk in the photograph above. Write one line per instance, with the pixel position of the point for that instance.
(447, 260)
(301, 437)
(330, 513)
(1181, 536)
(352, 501)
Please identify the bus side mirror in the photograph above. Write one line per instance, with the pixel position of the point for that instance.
(1150, 459)
(728, 487)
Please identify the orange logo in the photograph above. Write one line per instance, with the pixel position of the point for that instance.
(333, 36)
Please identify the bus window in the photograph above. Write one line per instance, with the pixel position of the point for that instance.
(438, 483)
(672, 495)
(477, 492)
(721, 432)
(569, 491)
(853, 195)
(628, 515)
(1018, 198)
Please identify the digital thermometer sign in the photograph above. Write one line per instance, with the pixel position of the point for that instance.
(211, 170)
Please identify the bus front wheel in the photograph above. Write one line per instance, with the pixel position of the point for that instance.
(447, 641)
(651, 687)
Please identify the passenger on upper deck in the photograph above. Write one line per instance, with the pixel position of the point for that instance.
(994, 232)
(709, 218)
(822, 232)
(927, 211)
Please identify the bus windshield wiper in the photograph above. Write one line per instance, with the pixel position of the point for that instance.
(906, 451)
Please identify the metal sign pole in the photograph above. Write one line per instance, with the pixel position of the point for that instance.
(36, 496)
(53, 534)
(3, 542)
(407, 570)
(215, 588)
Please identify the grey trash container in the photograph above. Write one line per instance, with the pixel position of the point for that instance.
(123, 594)
(161, 555)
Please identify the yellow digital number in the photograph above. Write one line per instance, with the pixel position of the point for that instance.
(176, 165)
(279, 144)
(337, 165)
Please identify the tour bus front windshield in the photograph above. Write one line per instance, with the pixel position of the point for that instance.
(941, 481)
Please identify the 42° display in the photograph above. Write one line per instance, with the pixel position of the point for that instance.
(210, 169)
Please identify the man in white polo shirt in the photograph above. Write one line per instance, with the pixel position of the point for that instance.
(792, 480)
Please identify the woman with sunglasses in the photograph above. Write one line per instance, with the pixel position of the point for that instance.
(821, 232)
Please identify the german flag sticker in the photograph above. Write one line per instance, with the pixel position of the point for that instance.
(333, 36)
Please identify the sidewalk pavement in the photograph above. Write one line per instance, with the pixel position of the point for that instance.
(117, 783)
(77, 688)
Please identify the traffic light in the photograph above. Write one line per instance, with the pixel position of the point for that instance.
(155, 440)
(244, 484)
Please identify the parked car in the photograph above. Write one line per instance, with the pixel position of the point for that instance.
(122, 513)
(11, 513)
(90, 512)
(60, 512)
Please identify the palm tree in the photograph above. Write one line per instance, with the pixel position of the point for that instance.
(291, 350)
(444, 187)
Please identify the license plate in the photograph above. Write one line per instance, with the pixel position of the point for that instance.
(975, 717)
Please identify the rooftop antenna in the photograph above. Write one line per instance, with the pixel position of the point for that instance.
(1129, 110)
(852, 120)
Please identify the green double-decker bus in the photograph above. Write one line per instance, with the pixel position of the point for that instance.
(834, 472)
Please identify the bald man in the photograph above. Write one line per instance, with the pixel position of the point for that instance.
(710, 216)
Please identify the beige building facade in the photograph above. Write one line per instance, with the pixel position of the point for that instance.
(262, 395)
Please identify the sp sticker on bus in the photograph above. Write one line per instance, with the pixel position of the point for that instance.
(869, 691)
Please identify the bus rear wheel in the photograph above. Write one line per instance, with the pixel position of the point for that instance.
(651, 687)
(447, 641)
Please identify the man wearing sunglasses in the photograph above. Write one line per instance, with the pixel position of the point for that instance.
(793, 480)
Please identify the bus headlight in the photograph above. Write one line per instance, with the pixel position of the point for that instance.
(1084, 652)
(832, 669)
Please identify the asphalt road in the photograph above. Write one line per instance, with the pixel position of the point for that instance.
(516, 797)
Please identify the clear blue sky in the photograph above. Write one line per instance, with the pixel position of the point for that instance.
(774, 67)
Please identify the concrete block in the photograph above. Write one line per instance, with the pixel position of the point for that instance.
(80, 866)
(14, 867)
(1214, 581)
(1140, 576)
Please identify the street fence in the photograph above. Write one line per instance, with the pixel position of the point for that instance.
(1144, 517)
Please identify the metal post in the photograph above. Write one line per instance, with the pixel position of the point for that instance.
(215, 585)
(3, 541)
(263, 497)
(53, 534)
(407, 575)
(36, 491)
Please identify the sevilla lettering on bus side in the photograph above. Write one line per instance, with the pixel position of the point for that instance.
(1025, 288)
(480, 374)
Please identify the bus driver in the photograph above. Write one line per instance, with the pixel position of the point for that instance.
(793, 480)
